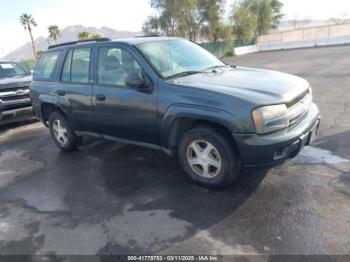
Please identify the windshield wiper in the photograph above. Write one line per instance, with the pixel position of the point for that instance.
(216, 66)
(191, 72)
(184, 73)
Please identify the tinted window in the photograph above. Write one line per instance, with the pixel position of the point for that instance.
(80, 66)
(11, 69)
(46, 66)
(114, 65)
(66, 67)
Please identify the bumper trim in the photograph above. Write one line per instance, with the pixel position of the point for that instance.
(15, 111)
(17, 114)
(259, 151)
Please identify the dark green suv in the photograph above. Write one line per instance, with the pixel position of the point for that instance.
(172, 95)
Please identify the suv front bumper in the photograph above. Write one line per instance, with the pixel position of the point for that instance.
(265, 151)
(14, 115)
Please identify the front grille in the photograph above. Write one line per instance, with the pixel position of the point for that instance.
(297, 99)
(13, 89)
(14, 98)
(298, 109)
(14, 106)
(293, 122)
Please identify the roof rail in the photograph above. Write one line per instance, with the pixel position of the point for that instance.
(150, 35)
(103, 39)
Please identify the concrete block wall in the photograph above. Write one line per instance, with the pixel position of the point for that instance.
(327, 41)
(306, 34)
(301, 38)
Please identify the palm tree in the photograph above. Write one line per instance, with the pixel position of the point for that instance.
(54, 32)
(83, 35)
(28, 21)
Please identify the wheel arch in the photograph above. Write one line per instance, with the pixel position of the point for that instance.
(47, 109)
(182, 118)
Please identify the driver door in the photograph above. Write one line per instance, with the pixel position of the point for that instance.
(121, 111)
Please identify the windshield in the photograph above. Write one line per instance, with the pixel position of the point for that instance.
(11, 69)
(177, 57)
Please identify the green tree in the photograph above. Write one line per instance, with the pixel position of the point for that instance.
(28, 21)
(277, 14)
(268, 13)
(95, 36)
(244, 22)
(151, 25)
(168, 14)
(83, 35)
(202, 17)
(54, 32)
(188, 22)
(187, 18)
(213, 11)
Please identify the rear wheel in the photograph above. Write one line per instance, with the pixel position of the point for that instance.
(62, 133)
(208, 157)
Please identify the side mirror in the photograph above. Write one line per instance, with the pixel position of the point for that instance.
(134, 80)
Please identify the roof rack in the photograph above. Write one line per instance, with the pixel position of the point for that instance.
(150, 35)
(103, 39)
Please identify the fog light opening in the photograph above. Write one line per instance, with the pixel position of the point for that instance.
(281, 152)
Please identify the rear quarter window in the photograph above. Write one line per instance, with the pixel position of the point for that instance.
(46, 66)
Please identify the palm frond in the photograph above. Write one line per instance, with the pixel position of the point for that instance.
(32, 21)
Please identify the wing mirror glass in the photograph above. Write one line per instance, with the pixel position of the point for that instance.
(134, 80)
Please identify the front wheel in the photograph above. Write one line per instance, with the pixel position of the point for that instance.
(208, 157)
(62, 133)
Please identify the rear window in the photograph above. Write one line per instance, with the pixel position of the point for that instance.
(45, 68)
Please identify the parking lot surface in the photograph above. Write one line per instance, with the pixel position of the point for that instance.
(111, 198)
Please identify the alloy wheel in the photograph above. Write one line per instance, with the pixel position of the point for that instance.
(60, 132)
(204, 159)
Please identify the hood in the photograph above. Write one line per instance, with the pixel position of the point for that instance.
(261, 87)
(16, 81)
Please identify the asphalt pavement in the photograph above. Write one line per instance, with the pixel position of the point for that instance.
(111, 198)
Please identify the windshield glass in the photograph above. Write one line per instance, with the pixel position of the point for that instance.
(11, 69)
(173, 57)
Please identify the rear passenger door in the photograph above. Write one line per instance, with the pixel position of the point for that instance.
(121, 111)
(75, 88)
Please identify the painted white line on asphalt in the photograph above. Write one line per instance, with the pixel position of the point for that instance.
(314, 155)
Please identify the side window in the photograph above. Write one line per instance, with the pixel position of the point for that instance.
(80, 66)
(65, 77)
(45, 68)
(114, 65)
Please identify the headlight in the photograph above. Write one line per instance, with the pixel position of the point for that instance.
(270, 118)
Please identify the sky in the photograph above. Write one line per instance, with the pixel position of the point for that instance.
(120, 15)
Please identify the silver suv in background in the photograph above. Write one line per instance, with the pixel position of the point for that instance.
(15, 102)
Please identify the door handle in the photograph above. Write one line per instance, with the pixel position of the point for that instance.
(100, 97)
(60, 92)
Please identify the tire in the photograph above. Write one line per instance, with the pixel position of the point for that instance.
(65, 139)
(216, 167)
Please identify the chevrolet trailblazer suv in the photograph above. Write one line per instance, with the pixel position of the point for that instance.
(172, 95)
(15, 103)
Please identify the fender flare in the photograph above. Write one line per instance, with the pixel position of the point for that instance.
(52, 100)
(177, 111)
